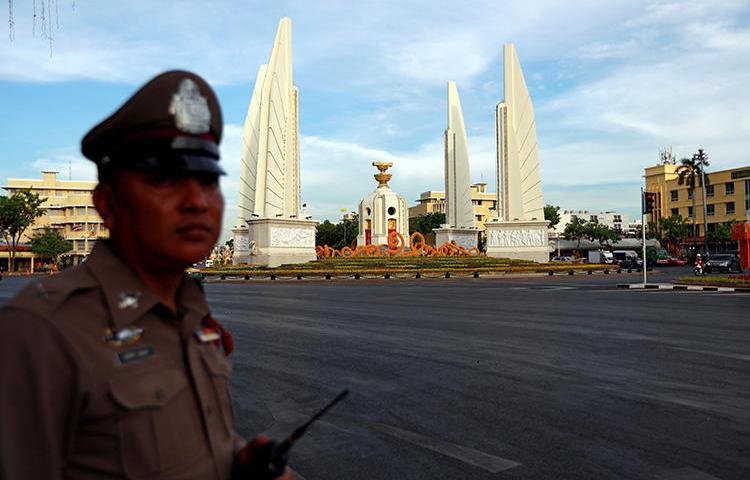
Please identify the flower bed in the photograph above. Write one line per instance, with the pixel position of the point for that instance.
(374, 266)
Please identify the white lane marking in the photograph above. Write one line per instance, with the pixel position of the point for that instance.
(485, 461)
(736, 356)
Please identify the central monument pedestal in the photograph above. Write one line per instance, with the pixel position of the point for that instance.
(518, 239)
(464, 237)
(275, 241)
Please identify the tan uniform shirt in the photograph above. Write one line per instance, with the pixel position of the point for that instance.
(76, 406)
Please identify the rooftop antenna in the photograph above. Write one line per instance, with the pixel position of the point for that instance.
(666, 157)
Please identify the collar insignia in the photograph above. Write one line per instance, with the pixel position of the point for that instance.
(119, 338)
(190, 108)
(128, 300)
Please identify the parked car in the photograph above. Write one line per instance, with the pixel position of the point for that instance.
(675, 262)
(562, 259)
(600, 256)
(723, 262)
(627, 259)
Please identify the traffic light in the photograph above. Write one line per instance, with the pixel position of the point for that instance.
(649, 202)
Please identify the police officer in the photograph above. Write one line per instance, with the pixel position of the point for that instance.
(116, 369)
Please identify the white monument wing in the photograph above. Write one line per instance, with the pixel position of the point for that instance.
(269, 175)
(519, 179)
(459, 209)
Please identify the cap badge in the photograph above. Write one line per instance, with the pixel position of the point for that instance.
(190, 108)
(128, 300)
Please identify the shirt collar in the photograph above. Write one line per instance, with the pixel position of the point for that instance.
(128, 298)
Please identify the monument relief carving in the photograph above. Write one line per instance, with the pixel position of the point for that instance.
(292, 237)
(516, 238)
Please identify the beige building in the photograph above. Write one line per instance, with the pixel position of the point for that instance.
(69, 209)
(727, 196)
(484, 204)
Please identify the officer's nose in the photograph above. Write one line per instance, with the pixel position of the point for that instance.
(194, 195)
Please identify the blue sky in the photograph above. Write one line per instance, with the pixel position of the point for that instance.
(612, 83)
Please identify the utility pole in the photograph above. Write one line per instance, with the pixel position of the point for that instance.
(643, 233)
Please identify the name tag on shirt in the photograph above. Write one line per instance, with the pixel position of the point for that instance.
(129, 356)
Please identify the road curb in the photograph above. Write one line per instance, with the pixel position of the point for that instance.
(695, 288)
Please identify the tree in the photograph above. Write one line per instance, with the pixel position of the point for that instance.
(346, 232)
(17, 213)
(552, 214)
(605, 236)
(722, 234)
(690, 173)
(576, 230)
(50, 244)
(425, 224)
(325, 233)
(673, 230)
(338, 235)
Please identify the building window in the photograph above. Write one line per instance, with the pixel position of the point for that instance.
(594, 219)
(675, 212)
(729, 187)
(81, 211)
(618, 218)
(674, 195)
(710, 210)
(80, 245)
(709, 190)
(690, 212)
(690, 194)
(479, 218)
(573, 218)
(730, 208)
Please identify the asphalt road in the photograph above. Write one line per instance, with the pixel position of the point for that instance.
(545, 378)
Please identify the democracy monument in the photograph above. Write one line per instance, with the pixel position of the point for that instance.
(269, 229)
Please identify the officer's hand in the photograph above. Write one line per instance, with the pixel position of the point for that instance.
(253, 462)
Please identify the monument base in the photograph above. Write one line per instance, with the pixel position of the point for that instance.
(518, 239)
(464, 237)
(275, 241)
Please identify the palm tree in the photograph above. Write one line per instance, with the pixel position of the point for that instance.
(691, 172)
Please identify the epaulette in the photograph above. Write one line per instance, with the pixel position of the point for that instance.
(45, 296)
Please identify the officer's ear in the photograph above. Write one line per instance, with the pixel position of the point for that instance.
(103, 197)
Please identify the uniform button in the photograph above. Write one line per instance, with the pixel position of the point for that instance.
(159, 394)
